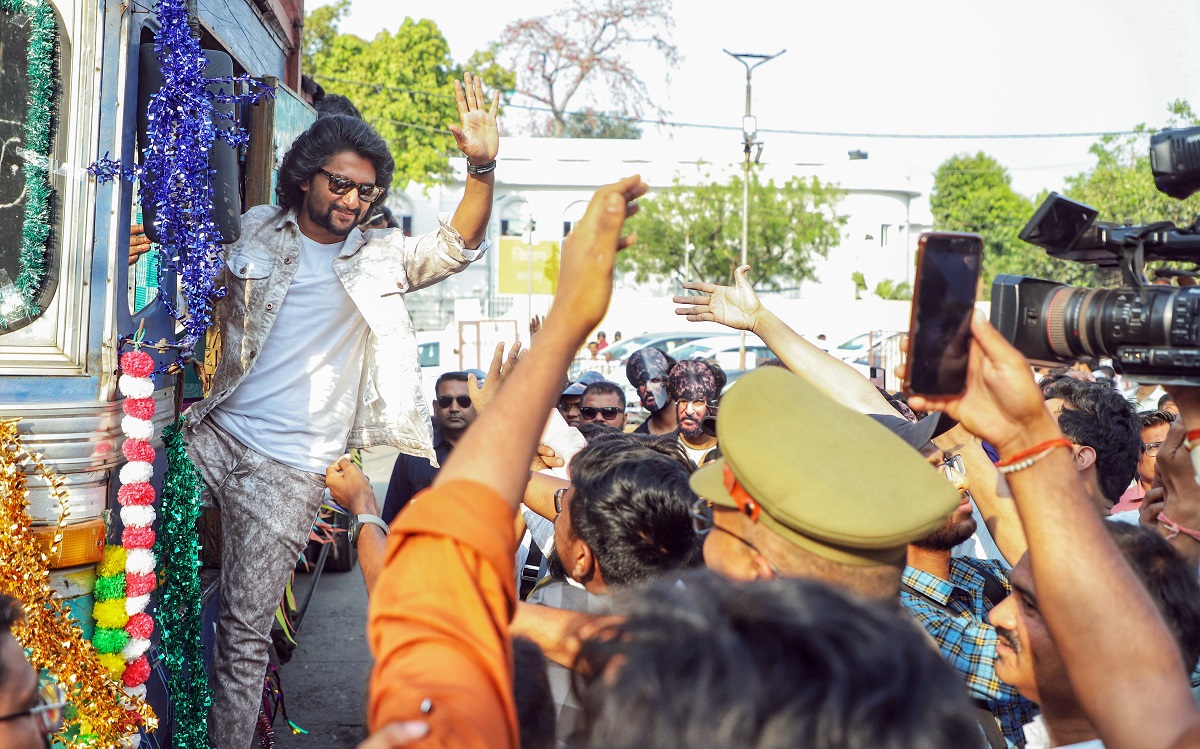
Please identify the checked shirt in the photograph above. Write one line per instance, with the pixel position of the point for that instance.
(966, 639)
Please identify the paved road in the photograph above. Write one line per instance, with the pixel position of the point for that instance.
(325, 682)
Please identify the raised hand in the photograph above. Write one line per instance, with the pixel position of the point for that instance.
(478, 136)
(734, 306)
(497, 373)
(585, 276)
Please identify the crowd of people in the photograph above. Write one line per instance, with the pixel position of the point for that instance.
(796, 582)
(794, 559)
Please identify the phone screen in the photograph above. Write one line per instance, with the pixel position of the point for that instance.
(943, 302)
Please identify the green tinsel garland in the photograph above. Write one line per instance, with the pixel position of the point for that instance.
(35, 231)
(177, 548)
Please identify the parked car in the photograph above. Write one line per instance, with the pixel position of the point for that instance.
(612, 359)
(726, 351)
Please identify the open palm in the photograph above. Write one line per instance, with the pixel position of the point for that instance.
(734, 306)
(477, 135)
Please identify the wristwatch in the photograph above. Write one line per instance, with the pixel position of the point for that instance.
(358, 521)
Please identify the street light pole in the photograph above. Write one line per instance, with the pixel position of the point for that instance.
(749, 132)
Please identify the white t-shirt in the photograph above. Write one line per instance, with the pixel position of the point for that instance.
(696, 454)
(298, 400)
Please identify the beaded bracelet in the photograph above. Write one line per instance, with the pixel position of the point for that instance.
(1026, 458)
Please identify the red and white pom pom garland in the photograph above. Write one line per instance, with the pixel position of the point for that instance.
(136, 496)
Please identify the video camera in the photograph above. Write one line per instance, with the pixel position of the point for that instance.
(1151, 332)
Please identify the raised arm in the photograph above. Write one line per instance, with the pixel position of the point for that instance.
(1133, 688)
(499, 446)
(479, 140)
(738, 307)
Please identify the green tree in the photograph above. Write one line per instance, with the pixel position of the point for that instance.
(974, 194)
(790, 224)
(402, 82)
(1121, 186)
(889, 289)
(593, 124)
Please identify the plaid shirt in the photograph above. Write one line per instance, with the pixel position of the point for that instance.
(967, 640)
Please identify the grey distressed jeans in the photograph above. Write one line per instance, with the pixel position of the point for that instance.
(267, 510)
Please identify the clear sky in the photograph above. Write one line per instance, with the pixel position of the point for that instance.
(882, 66)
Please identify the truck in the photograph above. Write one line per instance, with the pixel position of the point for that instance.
(77, 75)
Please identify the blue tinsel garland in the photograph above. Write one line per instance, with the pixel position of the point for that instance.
(175, 173)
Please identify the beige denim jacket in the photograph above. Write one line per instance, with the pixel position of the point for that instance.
(377, 269)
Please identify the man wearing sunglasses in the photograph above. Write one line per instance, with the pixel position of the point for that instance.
(320, 356)
(603, 403)
(29, 713)
(453, 412)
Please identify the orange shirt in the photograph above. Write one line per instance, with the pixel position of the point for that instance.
(439, 616)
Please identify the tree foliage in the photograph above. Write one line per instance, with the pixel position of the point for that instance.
(581, 49)
(790, 224)
(592, 124)
(974, 193)
(889, 289)
(402, 82)
(1121, 186)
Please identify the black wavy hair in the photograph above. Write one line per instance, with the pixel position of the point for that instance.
(1148, 419)
(632, 507)
(1166, 577)
(318, 144)
(706, 662)
(1099, 417)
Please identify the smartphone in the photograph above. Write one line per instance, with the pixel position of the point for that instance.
(939, 337)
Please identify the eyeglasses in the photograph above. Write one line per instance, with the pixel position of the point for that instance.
(608, 412)
(48, 712)
(694, 405)
(566, 407)
(558, 498)
(952, 467)
(463, 401)
(341, 186)
(703, 524)
(1151, 448)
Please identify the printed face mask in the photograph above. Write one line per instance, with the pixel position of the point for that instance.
(692, 386)
(646, 370)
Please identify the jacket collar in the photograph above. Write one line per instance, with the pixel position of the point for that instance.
(354, 240)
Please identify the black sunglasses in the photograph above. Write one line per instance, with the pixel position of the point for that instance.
(341, 186)
(558, 498)
(464, 401)
(608, 412)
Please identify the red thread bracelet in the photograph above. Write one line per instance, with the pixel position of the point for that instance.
(1192, 439)
(1043, 447)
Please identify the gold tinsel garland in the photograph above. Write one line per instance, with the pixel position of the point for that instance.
(105, 714)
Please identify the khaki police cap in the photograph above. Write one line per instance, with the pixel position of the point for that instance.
(827, 479)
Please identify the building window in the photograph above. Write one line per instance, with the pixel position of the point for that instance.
(406, 225)
(504, 227)
(883, 234)
(18, 275)
(567, 227)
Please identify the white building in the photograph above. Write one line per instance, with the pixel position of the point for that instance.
(550, 181)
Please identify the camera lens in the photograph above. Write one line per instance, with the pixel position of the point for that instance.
(1096, 322)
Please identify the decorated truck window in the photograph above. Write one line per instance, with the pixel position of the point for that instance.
(32, 52)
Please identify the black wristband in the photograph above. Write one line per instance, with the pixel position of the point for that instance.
(482, 168)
